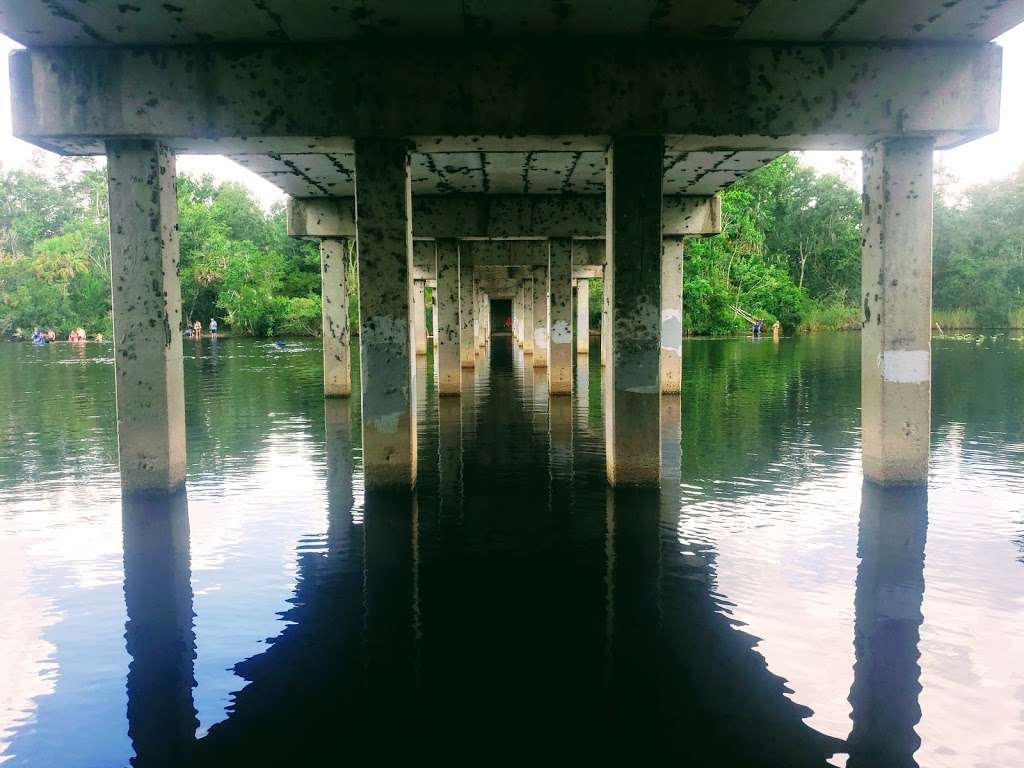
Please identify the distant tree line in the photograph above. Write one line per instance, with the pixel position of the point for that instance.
(789, 251)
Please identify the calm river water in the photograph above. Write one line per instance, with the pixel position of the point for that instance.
(763, 608)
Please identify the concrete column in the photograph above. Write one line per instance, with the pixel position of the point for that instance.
(632, 419)
(560, 316)
(467, 335)
(384, 238)
(606, 333)
(671, 315)
(582, 317)
(449, 369)
(478, 303)
(433, 311)
(540, 317)
(146, 308)
(334, 292)
(528, 330)
(896, 279)
(419, 316)
(520, 301)
(485, 315)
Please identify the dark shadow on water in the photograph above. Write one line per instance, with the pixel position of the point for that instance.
(159, 633)
(533, 614)
(887, 623)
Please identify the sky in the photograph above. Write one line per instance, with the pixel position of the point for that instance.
(991, 157)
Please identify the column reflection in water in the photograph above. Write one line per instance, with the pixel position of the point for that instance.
(560, 424)
(633, 551)
(886, 687)
(582, 390)
(159, 633)
(449, 452)
(391, 591)
(671, 455)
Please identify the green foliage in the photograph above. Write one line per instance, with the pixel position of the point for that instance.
(828, 314)
(790, 240)
(789, 251)
(979, 251)
(237, 262)
(955, 319)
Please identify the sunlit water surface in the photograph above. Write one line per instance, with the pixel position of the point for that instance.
(764, 607)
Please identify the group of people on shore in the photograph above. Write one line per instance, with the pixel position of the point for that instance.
(194, 330)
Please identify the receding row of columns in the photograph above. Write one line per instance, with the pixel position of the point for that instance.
(641, 314)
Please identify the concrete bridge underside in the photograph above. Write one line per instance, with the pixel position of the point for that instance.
(453, 139)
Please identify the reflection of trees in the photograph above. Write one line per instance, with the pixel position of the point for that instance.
(744, 402)
(58, 408)
(887, 623)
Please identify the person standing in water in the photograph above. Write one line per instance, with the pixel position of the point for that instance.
(197, 329)
(213, 326)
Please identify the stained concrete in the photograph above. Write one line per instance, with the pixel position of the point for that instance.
(560, 351)
(528, 324)
(513, 217)
(633, 386)
(671, 315)
(419, 316)
(758, 97)
(387, 360)
(146, 310)
(467, 313)
(540, 317)
(582, 317)
(449, 369)
(190, 22)
(334, 301)
(896, 280)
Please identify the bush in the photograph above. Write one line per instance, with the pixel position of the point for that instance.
(955, 319)
(829, 315)
(301, 317)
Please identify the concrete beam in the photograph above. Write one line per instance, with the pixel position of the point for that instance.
(786, 96)
(503, 217)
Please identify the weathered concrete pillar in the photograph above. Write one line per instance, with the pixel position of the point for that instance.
(148, 378)
(334, 292)
(540, 317)
(633, 280)
(449, 369)
(519, 312)
(433, 315)
(485, 314)
(419, 316)
(467, 334)
(528, 330)
(582, 317)
(672, 314)
(896, 279)
(478, 315)
(605, 329)
(560, 316)
(384, 239)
